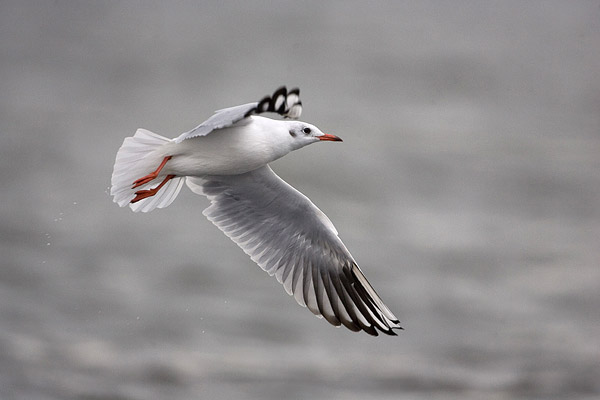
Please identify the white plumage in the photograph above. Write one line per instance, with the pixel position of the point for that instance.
(226, 159)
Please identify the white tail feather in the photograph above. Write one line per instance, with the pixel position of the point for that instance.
(136, 158)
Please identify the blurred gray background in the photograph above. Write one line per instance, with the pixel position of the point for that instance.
(467, 187)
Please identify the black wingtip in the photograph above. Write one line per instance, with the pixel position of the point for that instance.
(391, 332)
(283, 102)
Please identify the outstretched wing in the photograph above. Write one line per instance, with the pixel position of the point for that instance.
(282, 102)
(289, 237)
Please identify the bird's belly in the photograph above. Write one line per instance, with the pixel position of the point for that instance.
(220, 153)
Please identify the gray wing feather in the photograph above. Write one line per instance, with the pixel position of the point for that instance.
(290, 238)
(285, 103)
(220, 119)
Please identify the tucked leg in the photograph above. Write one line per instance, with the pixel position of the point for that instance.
(142, 194)
(151, 176)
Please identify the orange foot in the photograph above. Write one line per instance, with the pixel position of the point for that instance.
(151, 176)
(143, 194)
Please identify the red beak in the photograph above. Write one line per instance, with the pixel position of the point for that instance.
(330, 138)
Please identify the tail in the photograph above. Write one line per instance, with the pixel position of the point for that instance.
(136, 158)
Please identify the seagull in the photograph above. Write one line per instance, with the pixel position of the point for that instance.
(226, 158)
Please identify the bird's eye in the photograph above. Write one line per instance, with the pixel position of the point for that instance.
(306, 130)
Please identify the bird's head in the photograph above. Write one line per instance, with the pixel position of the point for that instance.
(302, 134)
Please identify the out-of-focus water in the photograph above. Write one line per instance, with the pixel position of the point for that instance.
(467, 187)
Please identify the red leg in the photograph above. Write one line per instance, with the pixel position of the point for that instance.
(151, 176)
(142, 194)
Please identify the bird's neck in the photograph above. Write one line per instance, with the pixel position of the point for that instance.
(273, 136)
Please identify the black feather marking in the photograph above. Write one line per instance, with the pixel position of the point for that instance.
(365, 303)
(279, 96)
(280, 102)
(370, 302)
(348, 283)
(343, 296)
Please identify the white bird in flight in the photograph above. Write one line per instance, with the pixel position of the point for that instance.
(226, 159)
